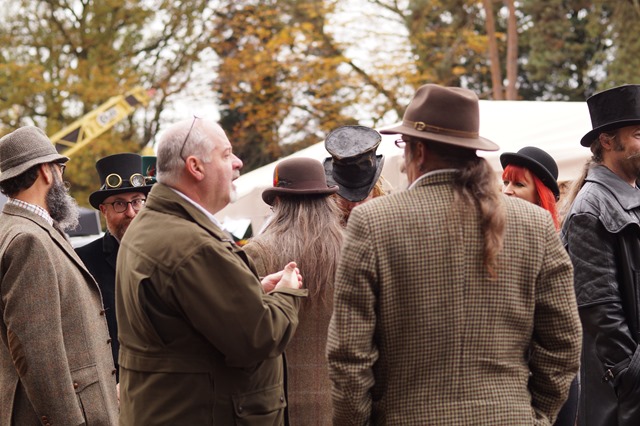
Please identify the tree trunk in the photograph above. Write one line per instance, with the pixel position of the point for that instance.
(494, 56)
(512, 52)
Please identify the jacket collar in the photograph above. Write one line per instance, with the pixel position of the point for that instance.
(58, 236)
(164, 199)
(110, 248)
(627, 196)
(434, 177)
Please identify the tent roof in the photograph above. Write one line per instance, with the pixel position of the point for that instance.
(555, 127)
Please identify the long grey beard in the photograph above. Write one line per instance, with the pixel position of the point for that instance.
(63, 209)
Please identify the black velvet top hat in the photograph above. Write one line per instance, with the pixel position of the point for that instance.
(613, 109)
(119, 174)
(298, 176)
(538, 162)
(353, 165)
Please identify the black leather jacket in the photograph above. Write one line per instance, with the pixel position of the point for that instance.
(602, 236)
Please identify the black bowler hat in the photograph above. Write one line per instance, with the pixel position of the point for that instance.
(353, 165)
(119, 174)
(613, 109)
(538, 162)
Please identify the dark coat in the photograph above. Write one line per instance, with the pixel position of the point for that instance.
(200, 342)
(602, 235)
(99, 256)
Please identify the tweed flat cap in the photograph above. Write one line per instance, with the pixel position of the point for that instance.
(24, 148)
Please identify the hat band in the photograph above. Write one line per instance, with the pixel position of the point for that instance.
(424, 127)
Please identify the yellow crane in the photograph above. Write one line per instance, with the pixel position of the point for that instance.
(88, 127)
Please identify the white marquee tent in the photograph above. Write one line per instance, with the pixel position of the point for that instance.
(556, 127)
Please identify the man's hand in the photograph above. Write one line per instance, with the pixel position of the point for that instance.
(289, 277)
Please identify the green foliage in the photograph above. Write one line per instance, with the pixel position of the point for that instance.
(565, 49)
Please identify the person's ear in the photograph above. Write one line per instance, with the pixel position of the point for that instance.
(606, 141)
(47, 173)
(194, 168)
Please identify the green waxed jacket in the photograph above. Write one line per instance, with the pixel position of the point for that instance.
(201, 343)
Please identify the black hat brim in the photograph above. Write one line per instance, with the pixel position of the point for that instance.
(353, 193)
(534, 166)
(588, 139)
(96, 198)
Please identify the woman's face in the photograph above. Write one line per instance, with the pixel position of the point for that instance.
(523, 188)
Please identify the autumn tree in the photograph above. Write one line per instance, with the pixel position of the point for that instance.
(280, 82)
(62, 59)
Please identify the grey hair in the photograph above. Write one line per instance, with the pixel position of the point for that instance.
(197, 142)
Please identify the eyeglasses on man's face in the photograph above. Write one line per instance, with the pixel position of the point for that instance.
(61, 166)
(403, 141)
(186, 138)
(121, 206)
(400, 143)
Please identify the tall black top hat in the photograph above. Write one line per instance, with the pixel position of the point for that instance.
(613, 109)
(537, 162)
(119, 174)
(353, 165)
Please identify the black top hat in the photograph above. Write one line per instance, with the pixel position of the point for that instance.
(537, 162)
(298, 176)
(613, 109)
(119, 174)
(353, 165)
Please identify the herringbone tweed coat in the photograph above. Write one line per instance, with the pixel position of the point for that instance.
(55, 354)
(420, 335)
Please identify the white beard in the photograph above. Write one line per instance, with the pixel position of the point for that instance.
(233, 194)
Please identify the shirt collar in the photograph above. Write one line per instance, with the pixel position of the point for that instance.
(199, 207)
(32, 208)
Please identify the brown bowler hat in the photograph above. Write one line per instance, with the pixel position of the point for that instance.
(298, 176)
(450, 115)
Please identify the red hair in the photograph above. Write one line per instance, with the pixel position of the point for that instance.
(546, 198)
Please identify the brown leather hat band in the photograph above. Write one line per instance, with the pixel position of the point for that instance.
(424, 127)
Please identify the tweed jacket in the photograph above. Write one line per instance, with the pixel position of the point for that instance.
(602, 237)
(55, 355)
(421, 335)
(200, 342)
(99, 256)
(308, 384)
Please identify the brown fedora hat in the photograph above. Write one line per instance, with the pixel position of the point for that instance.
(298, 176)
(450, 115)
